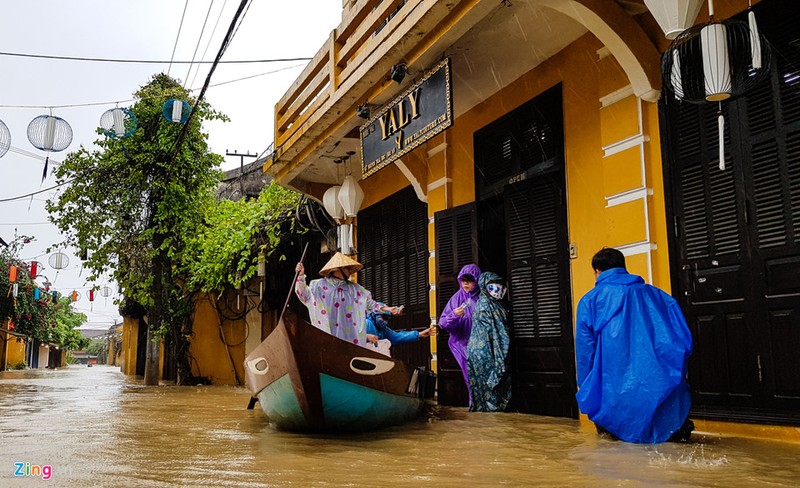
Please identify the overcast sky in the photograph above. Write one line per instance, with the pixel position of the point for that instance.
(141, 30)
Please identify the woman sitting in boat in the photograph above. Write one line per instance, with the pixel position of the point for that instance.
(336, 304)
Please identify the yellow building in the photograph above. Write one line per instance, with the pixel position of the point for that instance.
(544, 137)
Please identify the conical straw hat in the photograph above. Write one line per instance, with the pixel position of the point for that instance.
(339, 260)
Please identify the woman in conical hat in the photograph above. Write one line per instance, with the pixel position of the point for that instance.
(336, 304)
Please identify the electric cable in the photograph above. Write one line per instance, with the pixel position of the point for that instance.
(149, 61)
(208, 44)
(177, 37)
(197, 46)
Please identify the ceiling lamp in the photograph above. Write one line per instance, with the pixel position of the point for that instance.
(350, 196)
(330, 200)
(715, 62)
(674, 16)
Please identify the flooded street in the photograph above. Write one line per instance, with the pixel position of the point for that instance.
(95, 427)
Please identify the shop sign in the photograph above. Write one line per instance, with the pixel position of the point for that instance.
(418, 114)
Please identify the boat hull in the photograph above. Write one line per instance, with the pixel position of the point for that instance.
(306, 379)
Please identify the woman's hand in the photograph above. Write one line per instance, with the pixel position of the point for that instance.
(427, 332)
(301, 270)
(459, 311)
(372, 338)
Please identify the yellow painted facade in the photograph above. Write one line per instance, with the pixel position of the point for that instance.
(614, 175)
(212, 359)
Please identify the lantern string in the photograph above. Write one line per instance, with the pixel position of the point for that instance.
(721, 130)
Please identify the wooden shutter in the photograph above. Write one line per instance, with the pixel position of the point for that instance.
(392, 246)
(456, 246)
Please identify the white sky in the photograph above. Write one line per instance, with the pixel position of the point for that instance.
(140, 29)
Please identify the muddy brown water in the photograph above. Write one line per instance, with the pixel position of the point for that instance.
(95, 427)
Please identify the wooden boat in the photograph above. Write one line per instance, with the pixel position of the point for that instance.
(307, 379)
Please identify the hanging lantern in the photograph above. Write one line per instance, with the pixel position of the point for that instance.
(105, 291)
(36, 293)
(674, 16)
(15, 289)
(34, 269)
(55, 296)
(51, 134)
(176, 110)
(5, 139)
(350, 196)
(330, 200)
(75, 296)
(58, 260)
(118, 123)
(716, 62)
(91, 295)
(12, 274)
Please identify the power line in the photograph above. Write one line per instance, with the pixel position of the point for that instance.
(149, 61)
(92, 104)
(197, 46)
(210, 38)
(177, 36)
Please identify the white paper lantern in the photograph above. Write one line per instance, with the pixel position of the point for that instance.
(350, 196)
(674, 16)
(330, 200)
(58, 260)
(716, 63)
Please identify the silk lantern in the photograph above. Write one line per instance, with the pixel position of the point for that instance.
(350, 196)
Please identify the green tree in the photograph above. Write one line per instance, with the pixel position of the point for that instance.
(47, 319)
(134, 208)
(225, 251)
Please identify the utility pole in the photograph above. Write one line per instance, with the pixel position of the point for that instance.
(241, 166)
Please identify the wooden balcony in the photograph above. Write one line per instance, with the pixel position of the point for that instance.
(350, 69)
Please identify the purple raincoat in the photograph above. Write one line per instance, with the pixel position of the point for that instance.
(460, 328)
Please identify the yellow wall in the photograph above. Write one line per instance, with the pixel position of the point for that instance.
(598, 116)
(15, 350)
(211, 357)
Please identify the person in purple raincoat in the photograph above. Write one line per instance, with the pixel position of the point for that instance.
(456, 317)
(336, 304)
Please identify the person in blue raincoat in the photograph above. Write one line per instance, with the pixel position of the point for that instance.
(632, 346)
(378, 328)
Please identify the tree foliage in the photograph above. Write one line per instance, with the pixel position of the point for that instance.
(48, 319)
(225, 252)
(135, 206)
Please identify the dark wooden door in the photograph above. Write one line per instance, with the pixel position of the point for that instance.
(456, 246)
(542, 345)
(737, 238)
(393, 247)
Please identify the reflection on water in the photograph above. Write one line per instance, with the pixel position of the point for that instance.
(97, 428)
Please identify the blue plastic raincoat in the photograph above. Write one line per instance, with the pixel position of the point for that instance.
(632, 347)
(379, 326)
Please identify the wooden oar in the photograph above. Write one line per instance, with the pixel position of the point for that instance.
(254, 399)
(291, 289)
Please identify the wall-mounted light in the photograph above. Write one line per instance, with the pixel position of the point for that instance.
(398, 72)
(363, 111)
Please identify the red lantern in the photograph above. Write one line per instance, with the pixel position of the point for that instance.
(91, 295)
(34, 269)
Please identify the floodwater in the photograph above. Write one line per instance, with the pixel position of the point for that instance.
(95, 427)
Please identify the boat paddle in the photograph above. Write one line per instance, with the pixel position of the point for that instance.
(254, 399)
